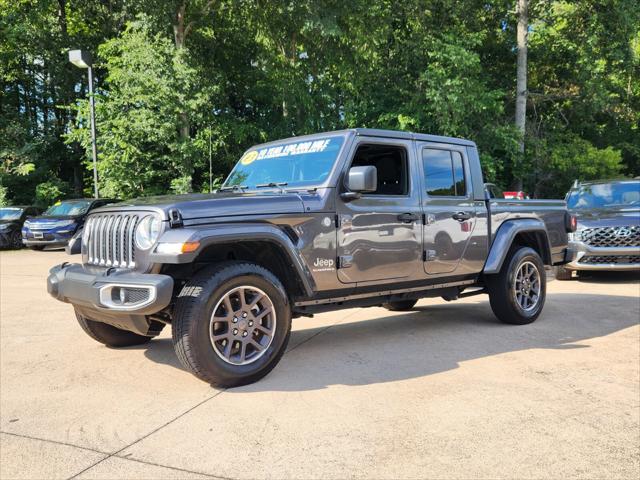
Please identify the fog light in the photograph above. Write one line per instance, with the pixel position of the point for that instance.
(127, 297)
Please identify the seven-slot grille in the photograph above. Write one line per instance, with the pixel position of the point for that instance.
(611, 236)
(109, 239)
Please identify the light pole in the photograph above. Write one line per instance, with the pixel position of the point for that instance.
(82, 59)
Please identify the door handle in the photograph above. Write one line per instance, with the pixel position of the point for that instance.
(461, 216)
(408, 217)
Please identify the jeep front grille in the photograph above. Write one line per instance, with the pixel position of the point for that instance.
(108, 240)
(611, 236)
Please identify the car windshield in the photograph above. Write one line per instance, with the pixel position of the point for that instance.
(10, 213)
(71, 208)
(605, 195)
(294, 164)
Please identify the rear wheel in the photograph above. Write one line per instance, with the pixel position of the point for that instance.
(231, 324)
(517, 294)
(400, 306)
(110, 335)
(562, 273)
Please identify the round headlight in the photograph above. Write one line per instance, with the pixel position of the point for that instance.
(147, 232)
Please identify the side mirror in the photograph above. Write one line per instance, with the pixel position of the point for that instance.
(361, 179)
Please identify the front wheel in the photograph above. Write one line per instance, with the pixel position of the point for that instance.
(16, 240)
(517, 294)
(232, 323)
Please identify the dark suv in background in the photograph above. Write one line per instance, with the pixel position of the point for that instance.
(608, 233)
(56, 226)
(11, 221)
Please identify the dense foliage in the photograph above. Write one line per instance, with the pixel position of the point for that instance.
(179, 80)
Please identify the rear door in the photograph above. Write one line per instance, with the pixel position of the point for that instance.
(450, 214)
(380, 234)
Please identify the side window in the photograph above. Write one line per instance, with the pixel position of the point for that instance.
(444, 173)
(391, 164)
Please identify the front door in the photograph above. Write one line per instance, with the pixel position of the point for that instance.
(380, 234)
(449, 208)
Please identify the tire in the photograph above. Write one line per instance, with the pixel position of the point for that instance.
(16, 240)
(110, 335)
(36, 247)
(562, 273)
(231, 360)
(501, 287)
(400, 306)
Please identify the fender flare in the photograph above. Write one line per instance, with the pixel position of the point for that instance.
(232, 233)
(505, 236)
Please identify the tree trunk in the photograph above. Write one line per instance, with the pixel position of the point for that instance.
(521, 76)
(180, 31)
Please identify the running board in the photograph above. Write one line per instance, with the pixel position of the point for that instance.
(383, 293)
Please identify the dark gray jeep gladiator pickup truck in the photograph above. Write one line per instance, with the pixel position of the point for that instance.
(344, 219)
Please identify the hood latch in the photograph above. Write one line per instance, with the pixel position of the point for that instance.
(175, 219)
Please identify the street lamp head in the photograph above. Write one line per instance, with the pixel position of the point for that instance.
(80, 58)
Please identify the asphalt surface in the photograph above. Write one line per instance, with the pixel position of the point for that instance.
(442, 392)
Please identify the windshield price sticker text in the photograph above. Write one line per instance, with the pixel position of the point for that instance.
(293, 149)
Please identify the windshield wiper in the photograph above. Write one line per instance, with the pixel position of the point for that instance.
(272, 185)
(234, 187)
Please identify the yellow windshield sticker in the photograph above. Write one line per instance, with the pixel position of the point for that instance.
(249, 157)
(294, 149)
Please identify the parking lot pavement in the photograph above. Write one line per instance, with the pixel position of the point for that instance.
(442, 392)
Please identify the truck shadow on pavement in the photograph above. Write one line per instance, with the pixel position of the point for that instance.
(428, 340)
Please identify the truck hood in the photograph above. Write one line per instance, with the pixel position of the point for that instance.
(221, 204)
(607, 217)
(10, 222)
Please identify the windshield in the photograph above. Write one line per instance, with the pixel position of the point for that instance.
(10, 213)
(605, 195)
(297, 164)
(77, 207)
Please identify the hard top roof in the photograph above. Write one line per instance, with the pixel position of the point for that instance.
(374, 132)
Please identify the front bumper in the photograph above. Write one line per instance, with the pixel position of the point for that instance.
(95, 292)
(47, 239)
(603, 258)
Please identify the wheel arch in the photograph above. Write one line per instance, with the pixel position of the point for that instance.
(263, 244)
(526, 232)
